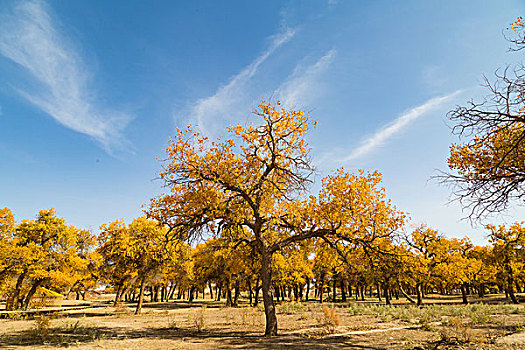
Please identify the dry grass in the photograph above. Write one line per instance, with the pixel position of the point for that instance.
(209, 325)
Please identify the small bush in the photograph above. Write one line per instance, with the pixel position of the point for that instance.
(329, 319)
(199, 318)
(41, 327)
(456, 332)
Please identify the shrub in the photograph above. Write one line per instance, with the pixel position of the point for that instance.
(199, 318)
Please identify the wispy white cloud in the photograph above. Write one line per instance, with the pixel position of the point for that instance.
(383, 134)
(30, 37)
(211, 113)
(302, 84)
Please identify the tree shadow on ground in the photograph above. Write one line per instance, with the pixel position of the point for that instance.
(238, 339)
(59, 336)
(65, 336)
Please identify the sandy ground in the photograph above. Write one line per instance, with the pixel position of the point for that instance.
(209, 325)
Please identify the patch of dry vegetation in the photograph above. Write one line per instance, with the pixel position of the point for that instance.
(303, 325)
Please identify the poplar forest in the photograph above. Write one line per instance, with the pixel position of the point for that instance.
(240, 252)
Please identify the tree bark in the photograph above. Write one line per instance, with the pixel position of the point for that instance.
(229, 301)
(32, 292)
(307, 289)
(334, 293)
(16, 295)
(321, 288)
(218, 291)
(269, 306)
(257, 287)
(141, 296)
(419, 294)
(211, 290)
(118, 294)
(237, 292)
(250, 290)
(464, 293)
(406, 295)
(387, 293)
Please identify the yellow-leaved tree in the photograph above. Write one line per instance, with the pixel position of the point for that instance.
(248, 187)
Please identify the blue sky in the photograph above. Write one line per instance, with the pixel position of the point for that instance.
(90, 92)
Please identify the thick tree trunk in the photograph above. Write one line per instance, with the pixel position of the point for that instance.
(378, 288)
(387, 293)
(141, 296)
(16, 294)
(190, 294)
(419, 294)
(269, 306)
(32, 292)
(343, 292)
(510, 291)
(464, 293)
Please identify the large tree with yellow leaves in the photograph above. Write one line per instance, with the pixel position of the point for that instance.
(250, 190)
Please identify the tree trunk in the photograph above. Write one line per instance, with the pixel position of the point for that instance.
(343, 292)
(249, 282)
(481, 290)
(32, 292)
(378, 288)
(518, 287)
(237, 292)
(387, 293)
(269, 306)
(334, 293)
(321, 288)
(464, 293)
(307, 289)
(419, 294)
(510, 291)
(16, 294)
(118, 295)
(211, 290)
(406, 295)
(229, 301)
(257, 287)
(141, 296)
(190, 294)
